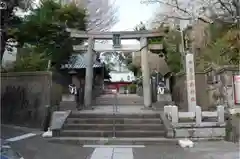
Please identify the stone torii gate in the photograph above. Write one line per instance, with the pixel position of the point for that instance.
(143, 36)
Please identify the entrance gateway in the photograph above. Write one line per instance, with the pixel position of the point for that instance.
(143, 36)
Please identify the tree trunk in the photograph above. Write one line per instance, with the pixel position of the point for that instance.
(3, 44)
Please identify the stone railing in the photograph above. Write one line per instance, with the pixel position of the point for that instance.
(199, 124)
(197, 119)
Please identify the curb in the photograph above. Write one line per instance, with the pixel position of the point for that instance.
(35, 130)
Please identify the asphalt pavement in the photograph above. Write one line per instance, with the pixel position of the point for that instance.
(8, 132)
(36, 147)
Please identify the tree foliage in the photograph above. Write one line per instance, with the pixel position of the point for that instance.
(45, 30)
(224, 50)
(224, 15)
(31, 61)
(172, 51)
(9, 19)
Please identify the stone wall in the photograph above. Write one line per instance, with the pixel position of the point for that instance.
(24, 97)
(220, 86)
(233, 128)
(213, 87)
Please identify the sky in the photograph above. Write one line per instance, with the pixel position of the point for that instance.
(131, 13)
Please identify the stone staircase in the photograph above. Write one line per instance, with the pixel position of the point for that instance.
(85, 127)
(119, 99)
(103, 125)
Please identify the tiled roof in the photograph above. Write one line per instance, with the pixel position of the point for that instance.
(78, 62)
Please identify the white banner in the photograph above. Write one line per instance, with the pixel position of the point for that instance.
(160, 90)
(72, 89)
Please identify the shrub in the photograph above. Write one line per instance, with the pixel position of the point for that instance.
(56, 94)
(132, 88)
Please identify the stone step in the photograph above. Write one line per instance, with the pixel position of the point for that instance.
(111, 115)
(112, 126)
(113, 141)
(122, 103)
(110, 133)
(119, 98)
(67, 105)
(118, 101)
(110, 120)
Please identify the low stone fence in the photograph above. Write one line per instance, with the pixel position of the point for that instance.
(214, 86)
(27, 98)
(199, 124)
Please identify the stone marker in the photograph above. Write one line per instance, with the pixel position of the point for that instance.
(58, 119)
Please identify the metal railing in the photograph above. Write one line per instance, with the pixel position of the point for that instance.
(115, 110)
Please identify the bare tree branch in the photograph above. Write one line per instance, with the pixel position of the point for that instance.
(101, 14)
(224, 6)
(166, 16)
(176, 5)
(219, 10)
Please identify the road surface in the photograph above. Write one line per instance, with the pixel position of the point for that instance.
(32, 146)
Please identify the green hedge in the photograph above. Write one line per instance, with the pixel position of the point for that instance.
(56, 94)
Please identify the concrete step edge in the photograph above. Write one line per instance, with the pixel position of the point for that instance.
(115, 139)
(140, 124)
(152, 140)
(127, 119)
(113, 113)
(109, 131)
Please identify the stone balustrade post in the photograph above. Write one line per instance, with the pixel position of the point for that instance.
(174, 115)
(198, 115)
(220, 112)
(167, 109)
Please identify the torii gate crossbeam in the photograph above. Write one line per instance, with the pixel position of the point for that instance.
(109, 35)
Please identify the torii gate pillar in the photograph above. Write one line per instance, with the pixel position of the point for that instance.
(145, 73)
(89, 74)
